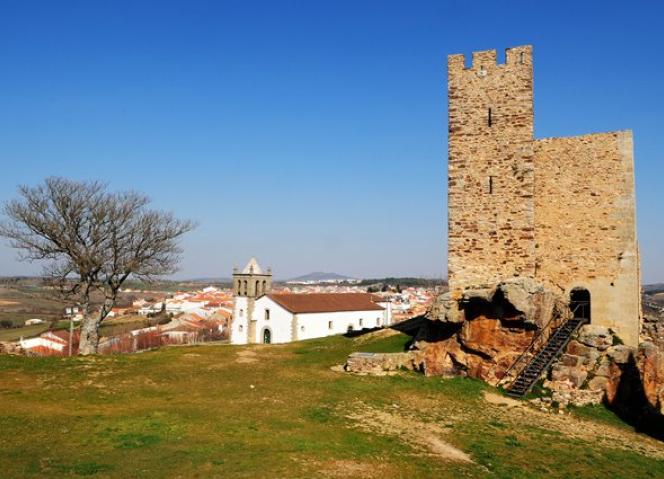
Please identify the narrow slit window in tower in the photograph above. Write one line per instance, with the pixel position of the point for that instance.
(490, 119)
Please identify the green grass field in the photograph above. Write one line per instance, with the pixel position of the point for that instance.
(14, 334)
(283, 411)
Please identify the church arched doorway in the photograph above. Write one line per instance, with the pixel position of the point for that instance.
(579, 303)
(267, 336)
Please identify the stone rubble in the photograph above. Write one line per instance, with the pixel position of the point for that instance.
(379, 363)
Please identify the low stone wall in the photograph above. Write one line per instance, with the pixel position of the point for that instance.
(379, 363)
(10, 348)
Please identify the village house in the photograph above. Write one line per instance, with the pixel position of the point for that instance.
(47, 344)
(34, 321)
(260, 316)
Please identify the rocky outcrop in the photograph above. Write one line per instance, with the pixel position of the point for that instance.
(653, 323)
(588, 368)
(595, 368)
(482, 332)
(650, 363)
(446, 309)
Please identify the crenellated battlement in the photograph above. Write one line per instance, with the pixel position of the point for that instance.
(486, 60)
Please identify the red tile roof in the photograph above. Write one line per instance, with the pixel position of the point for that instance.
(326, 302)
(59, 335)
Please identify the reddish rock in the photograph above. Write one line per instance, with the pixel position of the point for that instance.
(578, 349)
(483, 332)
(650, 360)
(491, 338)
(571, 360)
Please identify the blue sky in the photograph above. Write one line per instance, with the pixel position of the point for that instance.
(310, 134)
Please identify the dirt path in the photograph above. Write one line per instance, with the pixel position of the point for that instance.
(246, 356)
(422, 435)
(520, 412)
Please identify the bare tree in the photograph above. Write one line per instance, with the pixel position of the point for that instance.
(92, 241)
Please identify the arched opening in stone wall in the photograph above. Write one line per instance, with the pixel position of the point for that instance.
(579, 303)
(267, 336)
(258, 288)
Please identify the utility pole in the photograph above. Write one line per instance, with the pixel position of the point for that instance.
(71, 332)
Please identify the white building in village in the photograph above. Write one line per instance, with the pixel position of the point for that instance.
(260, 316)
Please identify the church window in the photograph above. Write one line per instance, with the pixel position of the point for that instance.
(361, 321)
(240, 328)
(242, 313)
(489, 186)
(490, 118)
(267, 313)
(302, 328)
(329, 325)
(258, 287)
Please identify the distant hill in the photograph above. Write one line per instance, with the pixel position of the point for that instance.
(321, 277)
(653, 288)
(403, 281)
(211, 279)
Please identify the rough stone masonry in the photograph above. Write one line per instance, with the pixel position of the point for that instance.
(560, 211)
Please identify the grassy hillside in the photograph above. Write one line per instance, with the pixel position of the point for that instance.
(283, 411)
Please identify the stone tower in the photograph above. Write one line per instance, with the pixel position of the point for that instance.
(491, 189)
(248, 285)
(561, 211)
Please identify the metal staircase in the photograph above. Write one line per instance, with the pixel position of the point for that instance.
(543, 357)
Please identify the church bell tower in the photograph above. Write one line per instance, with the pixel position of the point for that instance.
(248, 285)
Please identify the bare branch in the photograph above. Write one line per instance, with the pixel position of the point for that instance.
(92, 239)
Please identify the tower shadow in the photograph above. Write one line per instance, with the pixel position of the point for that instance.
(631, 404)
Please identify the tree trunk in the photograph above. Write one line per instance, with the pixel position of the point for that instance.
(89, 340)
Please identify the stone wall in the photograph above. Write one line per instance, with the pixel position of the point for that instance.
(490, 189)
(585, 226)
(379, 363)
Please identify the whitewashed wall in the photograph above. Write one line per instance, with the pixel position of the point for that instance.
(317, 325)
(308, 325)
(387, 314)
(239, 325)
(41, 342)
(279, 324)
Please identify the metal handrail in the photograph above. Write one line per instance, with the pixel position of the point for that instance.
(535, 339)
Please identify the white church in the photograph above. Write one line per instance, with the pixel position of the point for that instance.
(260, 316)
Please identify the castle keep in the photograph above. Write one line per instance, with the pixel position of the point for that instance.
(560, 211)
